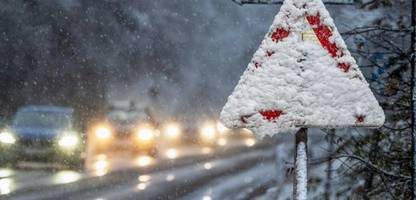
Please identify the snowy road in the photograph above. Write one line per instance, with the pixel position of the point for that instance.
(237, 172)
(187, 172)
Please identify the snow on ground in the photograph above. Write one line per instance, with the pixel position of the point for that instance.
(316, 174)
(315, 191)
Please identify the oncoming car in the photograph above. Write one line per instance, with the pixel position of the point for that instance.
(124, 129)
(213, 133)
(42, 133)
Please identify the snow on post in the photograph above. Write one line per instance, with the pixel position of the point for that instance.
(301, 76)
(301, 172)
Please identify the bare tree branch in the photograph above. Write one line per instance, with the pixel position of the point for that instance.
(362, 160)
(366, 29)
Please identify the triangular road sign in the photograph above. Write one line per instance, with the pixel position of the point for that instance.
(302, 75)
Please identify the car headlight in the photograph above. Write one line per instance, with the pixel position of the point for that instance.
(7, 138)
(145, 134)
(172, 131)
(68, 141)
(250, 142)
(103, 133)
(222, 142)
(208, 132)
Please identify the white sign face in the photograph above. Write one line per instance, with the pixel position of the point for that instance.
(302, 75)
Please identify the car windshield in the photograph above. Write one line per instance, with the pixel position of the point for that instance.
(126, 116)
(42, 119)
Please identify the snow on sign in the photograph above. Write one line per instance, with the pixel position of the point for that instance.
(302, 75)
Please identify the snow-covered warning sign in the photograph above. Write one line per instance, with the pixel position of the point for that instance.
(302, 75)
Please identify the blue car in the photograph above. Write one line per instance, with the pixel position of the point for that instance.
(42, 133)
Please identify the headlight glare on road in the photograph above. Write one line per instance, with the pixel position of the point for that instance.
(68, 141)
(103, 133)
(7, 138)
(145, 134)
(172, 131)
(221, 128)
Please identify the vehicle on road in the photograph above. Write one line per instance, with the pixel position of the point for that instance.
(211, 133)
(42, 133)
(172, 133)
(214, 133)
(128, 129)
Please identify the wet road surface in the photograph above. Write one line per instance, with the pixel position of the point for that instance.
(189, 172)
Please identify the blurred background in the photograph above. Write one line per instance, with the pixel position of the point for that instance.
(171, 55)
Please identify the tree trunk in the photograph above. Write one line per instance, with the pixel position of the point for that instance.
(369, 177)
(329, 167)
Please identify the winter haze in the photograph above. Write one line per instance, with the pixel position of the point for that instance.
(189, 54)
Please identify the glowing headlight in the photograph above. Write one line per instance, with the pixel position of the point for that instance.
(145, 134)
(172, 131)
(68, 141)
(7, 138)
(208, 132)
(222, 142)
(103, 133)
(250, 142)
